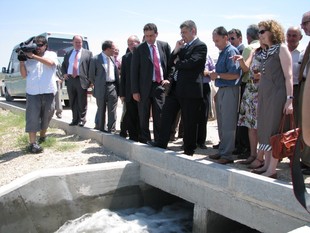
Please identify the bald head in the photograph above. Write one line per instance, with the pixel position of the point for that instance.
(305, 23)
(132, 42)
(306, 16)
(293, 36)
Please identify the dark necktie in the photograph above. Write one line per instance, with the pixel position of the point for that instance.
(304, 62)
(156, 65)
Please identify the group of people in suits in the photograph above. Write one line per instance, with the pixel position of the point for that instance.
(146, 73)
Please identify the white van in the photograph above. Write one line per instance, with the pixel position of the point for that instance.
(15, 84)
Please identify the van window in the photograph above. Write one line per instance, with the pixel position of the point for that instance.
(14, 63)
(61, 46)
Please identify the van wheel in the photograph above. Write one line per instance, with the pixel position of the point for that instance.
(8, 97)
(67, 104)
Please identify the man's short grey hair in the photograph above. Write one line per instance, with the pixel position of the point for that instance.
(252, 32)
(190, 24)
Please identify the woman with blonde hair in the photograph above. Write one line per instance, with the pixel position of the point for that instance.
(275, 94)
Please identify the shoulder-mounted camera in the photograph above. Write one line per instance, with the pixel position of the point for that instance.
(28, 46)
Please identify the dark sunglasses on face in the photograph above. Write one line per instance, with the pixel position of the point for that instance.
(304, 23)
(232, 38)
(40, 45)
(261, 32)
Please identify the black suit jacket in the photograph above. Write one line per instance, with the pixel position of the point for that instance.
(142, 67)
(86, 56)
(125, 86)
(190, 69)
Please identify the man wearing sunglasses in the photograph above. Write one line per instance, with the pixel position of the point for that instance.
(40, 73)
(235, 38)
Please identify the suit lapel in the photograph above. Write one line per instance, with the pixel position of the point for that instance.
(161, 54)
(101, 61)
(146, 50)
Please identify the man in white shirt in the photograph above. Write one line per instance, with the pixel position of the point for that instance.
(293, 37)
(39, 69)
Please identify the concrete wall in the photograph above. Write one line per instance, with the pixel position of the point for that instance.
(43, 200)
(261, 203)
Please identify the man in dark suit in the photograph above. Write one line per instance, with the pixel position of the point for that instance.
(189, 58)
(130, 114)
(103, 73)
(149, 72)
(75, 71)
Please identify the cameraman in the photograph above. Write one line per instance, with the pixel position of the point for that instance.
(39, 69)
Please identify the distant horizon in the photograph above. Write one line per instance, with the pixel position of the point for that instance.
(128, 18)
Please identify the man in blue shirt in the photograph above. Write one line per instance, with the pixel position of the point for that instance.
(227, 79)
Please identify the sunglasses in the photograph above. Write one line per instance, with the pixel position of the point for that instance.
(304, 23)
(261, 32)
(40, 45)
(231, 38)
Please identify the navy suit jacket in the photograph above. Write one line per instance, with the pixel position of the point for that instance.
(142, 67)
(190, 69)
(125, 82)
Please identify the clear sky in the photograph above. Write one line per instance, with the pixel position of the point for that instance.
(116, 20)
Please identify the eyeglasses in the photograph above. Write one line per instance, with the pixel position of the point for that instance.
(231, 38)
(304, 23)
(261, 32)
(40, 45)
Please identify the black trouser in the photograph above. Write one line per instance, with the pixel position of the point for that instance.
(77, 98)
(131, 120)
(204, 114)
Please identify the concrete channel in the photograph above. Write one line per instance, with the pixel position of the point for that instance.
(215, 190)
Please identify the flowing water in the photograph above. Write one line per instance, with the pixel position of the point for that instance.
(175, 218)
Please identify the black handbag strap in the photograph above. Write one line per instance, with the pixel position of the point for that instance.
(297, 177)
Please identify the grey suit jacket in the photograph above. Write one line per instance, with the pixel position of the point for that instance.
(86, 56)
(97, 75)
(142, 67)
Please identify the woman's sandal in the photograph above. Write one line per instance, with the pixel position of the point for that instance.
(248, 160)
(256, 164)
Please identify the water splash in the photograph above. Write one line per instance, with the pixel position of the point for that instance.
(176, 218)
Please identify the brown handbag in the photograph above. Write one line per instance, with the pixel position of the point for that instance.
(283, 144)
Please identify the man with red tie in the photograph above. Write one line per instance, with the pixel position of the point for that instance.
(75, 69)
(149, 73)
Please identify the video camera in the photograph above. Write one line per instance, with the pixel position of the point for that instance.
(26, 47)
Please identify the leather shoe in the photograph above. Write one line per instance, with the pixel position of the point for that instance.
(189, 153)
(82, 123)
(257, 171)
(216, 156)
(306, 171)
(273, 176)
(73, 123)
(216, 146)
(155, 144)
(59, 115)
(224, 161)
(202, 146)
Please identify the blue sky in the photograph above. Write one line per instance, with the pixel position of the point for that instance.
(100, 20)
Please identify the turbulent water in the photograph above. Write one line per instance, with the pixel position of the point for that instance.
(176, 218)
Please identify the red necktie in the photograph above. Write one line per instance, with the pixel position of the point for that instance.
(156, 65)
(75, 64)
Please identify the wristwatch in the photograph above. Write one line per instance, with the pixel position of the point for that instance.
(290, 97)
(218, 76)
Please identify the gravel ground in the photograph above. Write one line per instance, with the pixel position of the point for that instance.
(16, 163)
